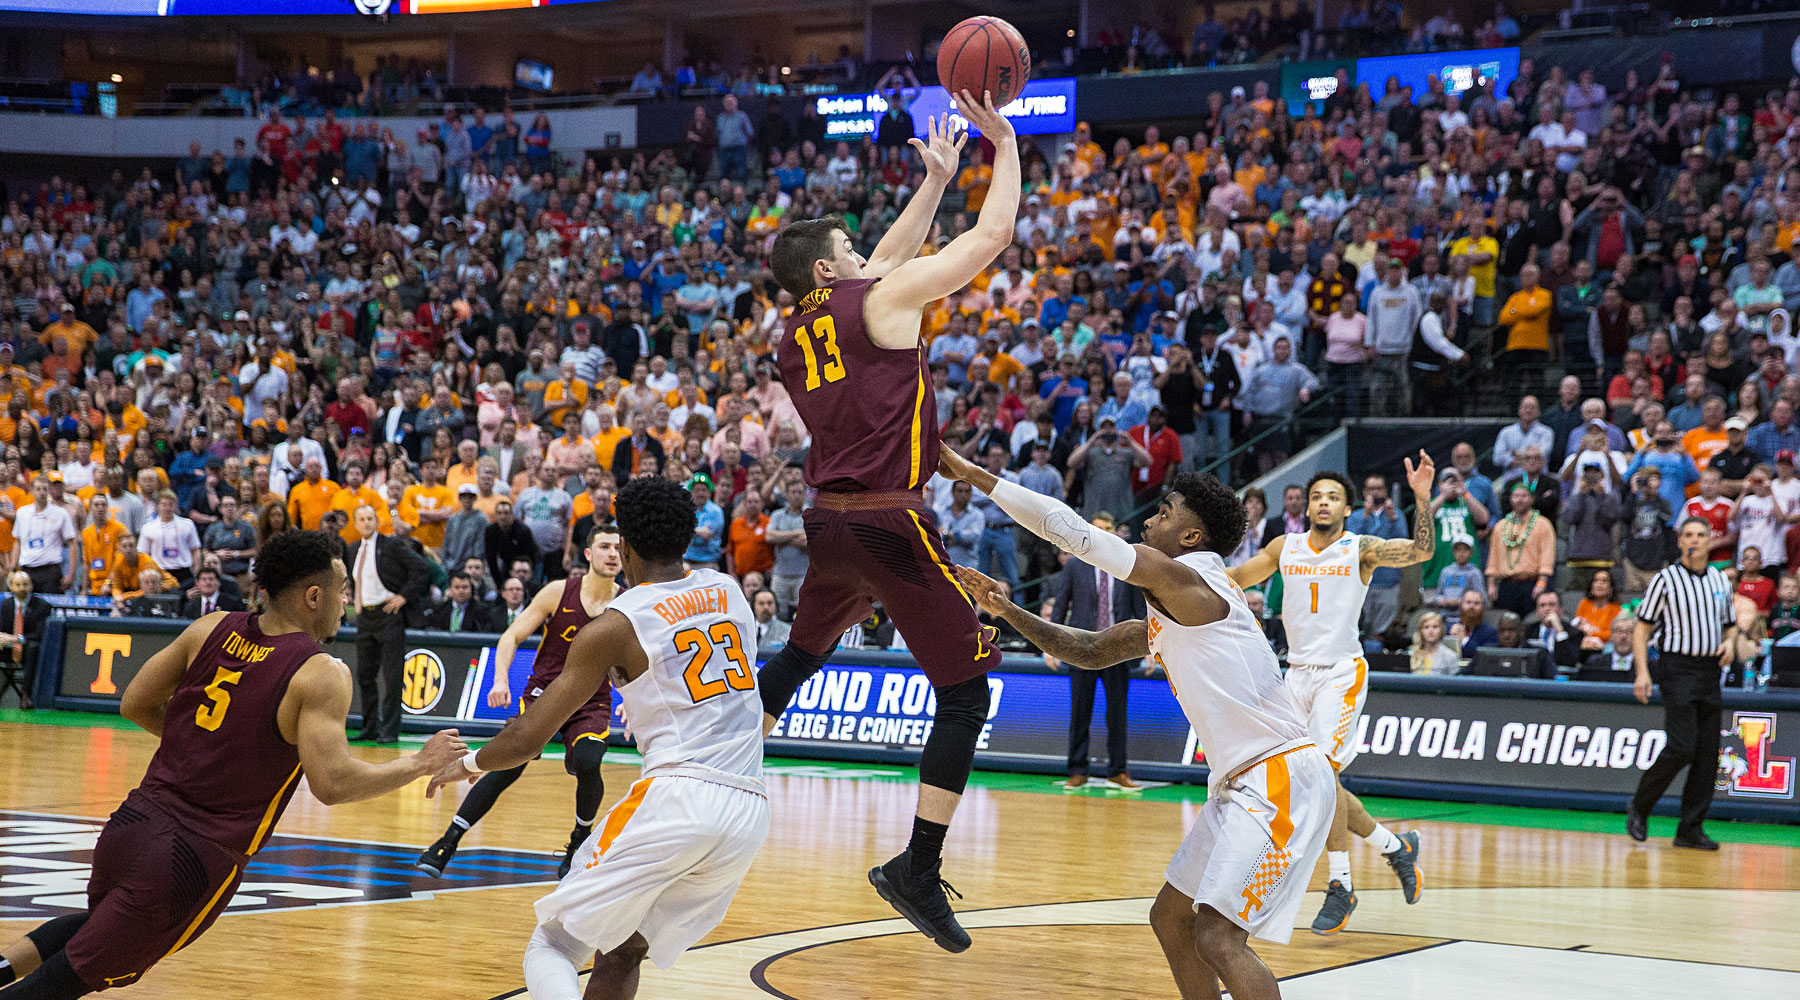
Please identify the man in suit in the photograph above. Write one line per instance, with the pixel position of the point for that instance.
(507, 453)
(1291, 517)
(770, 630)
(1549, 629)
(1085, 597)
(1510, 634)
(512, 602)
(388, 593)
(628, 456)
(208, 596)
(459, 611)
(22, 618)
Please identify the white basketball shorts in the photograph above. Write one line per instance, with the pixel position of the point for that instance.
(1331, 701)
(665, 863)
(1252, 850)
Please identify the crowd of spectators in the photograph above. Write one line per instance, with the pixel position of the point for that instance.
(480, 340)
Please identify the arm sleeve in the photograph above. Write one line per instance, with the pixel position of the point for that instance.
(1053, 521)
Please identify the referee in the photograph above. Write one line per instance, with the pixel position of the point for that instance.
(1688, 608)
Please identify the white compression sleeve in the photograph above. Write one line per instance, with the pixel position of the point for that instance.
(1055, 522)
(550, 963)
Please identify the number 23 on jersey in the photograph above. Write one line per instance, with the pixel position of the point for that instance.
(824, 331)
(724, 636)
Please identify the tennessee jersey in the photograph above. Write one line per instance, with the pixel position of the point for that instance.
(1322, 598)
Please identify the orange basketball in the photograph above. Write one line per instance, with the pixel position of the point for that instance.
(985, 54)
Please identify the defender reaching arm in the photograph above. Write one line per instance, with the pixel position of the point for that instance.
(1074, 646)
(606, 643)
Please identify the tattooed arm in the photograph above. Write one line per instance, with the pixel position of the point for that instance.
(1397, 552)
(1076, 647)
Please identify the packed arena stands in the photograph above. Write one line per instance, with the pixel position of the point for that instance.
(482, 337)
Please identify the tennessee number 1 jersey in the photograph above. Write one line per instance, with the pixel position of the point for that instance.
(870, 410)
(697, 704)
(1322, 598)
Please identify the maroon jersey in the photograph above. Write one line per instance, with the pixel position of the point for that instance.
(553, 646)
(224, 770)
(871, 411)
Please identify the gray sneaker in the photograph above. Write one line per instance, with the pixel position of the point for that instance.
(1405, 863)
(1339, 904)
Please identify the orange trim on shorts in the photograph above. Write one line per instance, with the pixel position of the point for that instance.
(1240, 772)
(1282, 826)
(200, 917)
(620, 815)
(925, 537)
(268, 820)
(1348, 712)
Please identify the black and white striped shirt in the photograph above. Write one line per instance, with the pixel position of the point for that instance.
(1690, 610)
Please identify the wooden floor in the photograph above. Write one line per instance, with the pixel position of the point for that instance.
(1056, 891)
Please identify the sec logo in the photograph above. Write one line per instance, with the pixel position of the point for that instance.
(421, 681)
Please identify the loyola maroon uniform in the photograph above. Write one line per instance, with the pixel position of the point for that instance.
(870, 537)
(170, 857)
(593, 719)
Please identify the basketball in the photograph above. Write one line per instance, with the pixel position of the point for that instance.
(984, 54)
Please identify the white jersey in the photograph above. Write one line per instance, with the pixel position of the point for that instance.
(1226, 677)
(697, 704)
(1322, 599)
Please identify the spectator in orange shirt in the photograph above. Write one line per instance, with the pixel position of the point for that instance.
(310, 498)
(129, 568)
(354, 493)
(746, 549)
(100, 546)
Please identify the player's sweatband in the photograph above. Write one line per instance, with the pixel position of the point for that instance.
(468, 762)
(1055, 522)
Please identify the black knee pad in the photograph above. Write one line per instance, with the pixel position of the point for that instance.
(584, 756)
(962, 710)
(779, 678)
(51, 936)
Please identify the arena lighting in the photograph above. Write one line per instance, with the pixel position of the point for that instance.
(787, 70)
(1070, 33)
(116, 78)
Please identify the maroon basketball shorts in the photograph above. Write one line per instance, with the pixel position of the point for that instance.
(593, 720)
(156, 887)
(893, 555)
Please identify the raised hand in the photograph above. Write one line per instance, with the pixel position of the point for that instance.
(951, 465)
(1420, 478)
(942, 149)
(983, 115)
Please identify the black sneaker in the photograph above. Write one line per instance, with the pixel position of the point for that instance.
(577, 837)
(1405, 863)
(437, 857)
(1339, 904)
(921, 900)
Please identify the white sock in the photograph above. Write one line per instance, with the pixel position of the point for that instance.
(1384, 840)
(1339, 863)
(551, 961)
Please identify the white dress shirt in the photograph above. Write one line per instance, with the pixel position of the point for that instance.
(369, 590)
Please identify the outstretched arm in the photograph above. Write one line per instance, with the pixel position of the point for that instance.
(1258, 567)
(323, 686)
(1077, 647)
(908, 232)
(1397, 552)
(918, 280)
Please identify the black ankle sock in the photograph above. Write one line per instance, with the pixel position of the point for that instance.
(927, 844)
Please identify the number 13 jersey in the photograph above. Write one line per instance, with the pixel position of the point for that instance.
(871, 411)
(697, 703)
(1322, 599)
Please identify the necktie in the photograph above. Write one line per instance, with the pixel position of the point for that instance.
(19, 630)
(206, 606)
(1104, 613)
(456, 613)
(362, 571)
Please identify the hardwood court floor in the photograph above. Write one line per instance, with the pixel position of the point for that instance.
(1519, 904)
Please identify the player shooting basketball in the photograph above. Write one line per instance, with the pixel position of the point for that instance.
(855, 365)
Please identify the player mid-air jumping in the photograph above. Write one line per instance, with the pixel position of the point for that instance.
(1325, 573)
(853, 360)
(560, 610)
(1242, 869)
(245, 704)
(662, 870)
